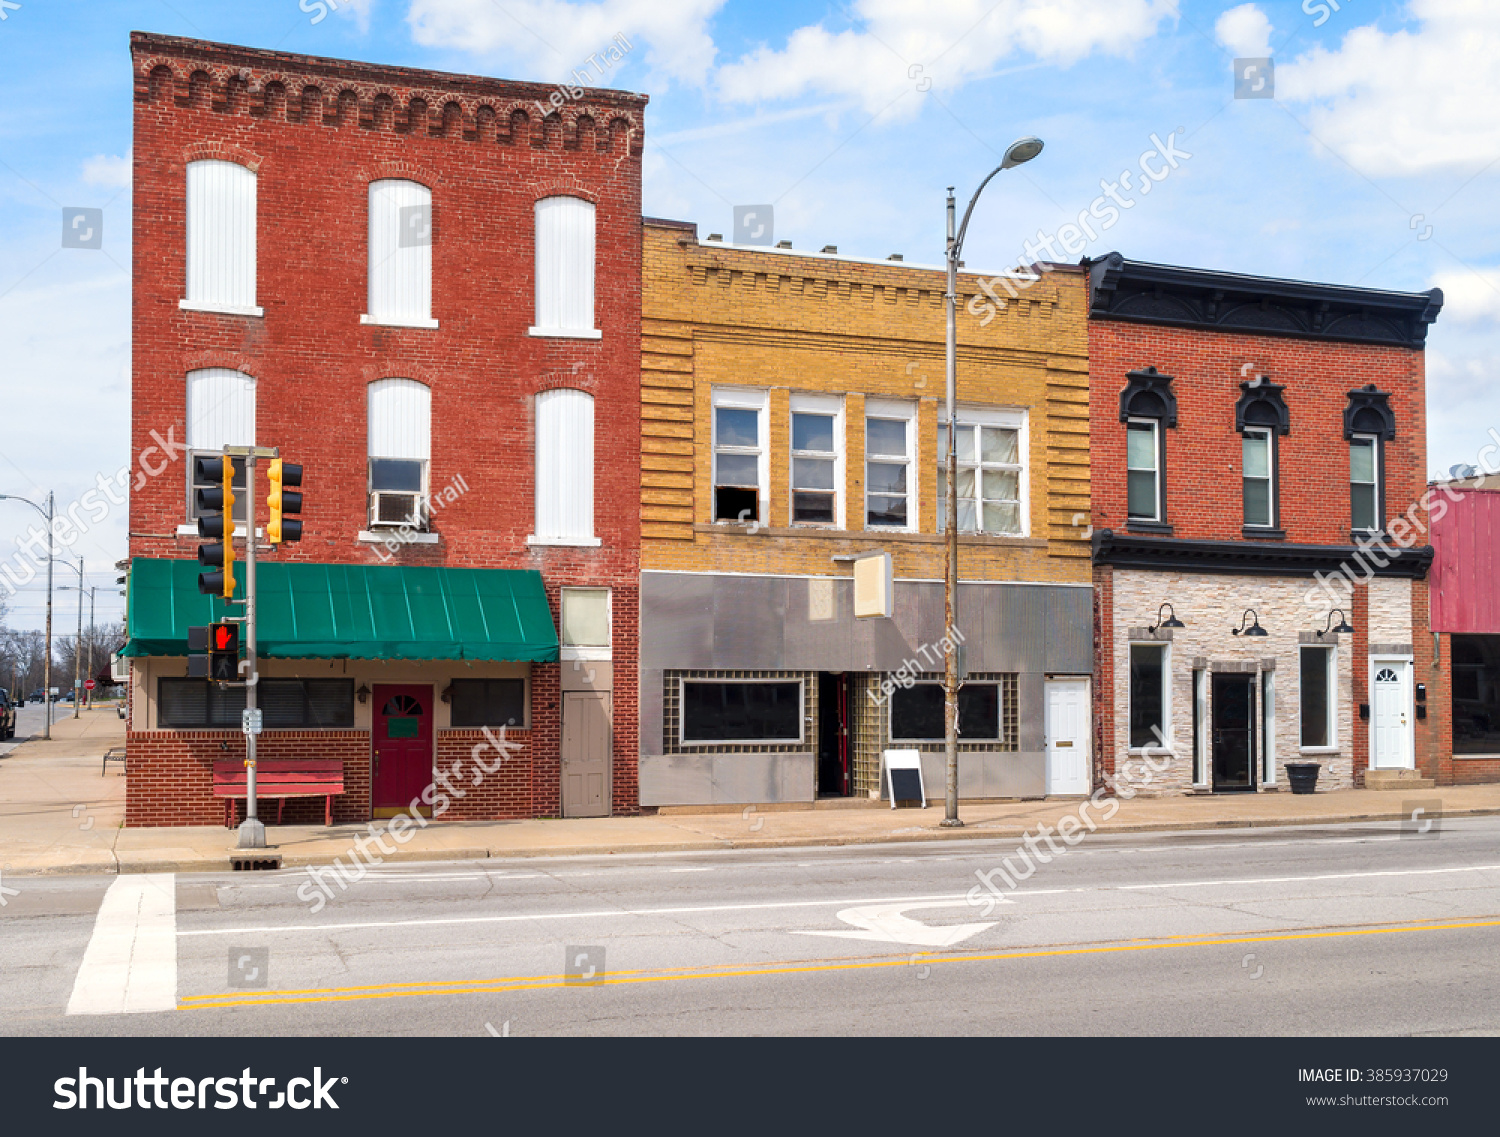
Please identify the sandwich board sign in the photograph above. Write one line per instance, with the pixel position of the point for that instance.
(903, 772)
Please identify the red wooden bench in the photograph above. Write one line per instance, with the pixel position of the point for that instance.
(278, 779)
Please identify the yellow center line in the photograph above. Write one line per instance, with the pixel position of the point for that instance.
(545, 982)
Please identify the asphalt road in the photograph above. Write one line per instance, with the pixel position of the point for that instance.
(1345, 930)
(30, 720)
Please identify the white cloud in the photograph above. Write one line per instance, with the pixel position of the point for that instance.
(1407, 101)
(1245, 30)
(1470, 295)
(908, 45)
(108, 170)
(549, 39)
(358, 11)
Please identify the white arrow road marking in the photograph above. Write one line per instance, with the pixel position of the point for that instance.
(885, 923)
(130, 965)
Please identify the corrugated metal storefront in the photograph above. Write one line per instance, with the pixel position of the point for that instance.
(720, 624)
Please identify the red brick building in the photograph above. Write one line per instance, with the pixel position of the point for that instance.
(429, 295)
(1259, 456)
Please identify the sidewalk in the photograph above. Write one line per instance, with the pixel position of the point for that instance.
(58, 815)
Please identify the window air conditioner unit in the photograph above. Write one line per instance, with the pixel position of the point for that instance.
(394, 508)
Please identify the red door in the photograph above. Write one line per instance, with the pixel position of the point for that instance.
(402, 764)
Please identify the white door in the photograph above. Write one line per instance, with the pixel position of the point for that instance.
(1068, 736)
(1391, 714)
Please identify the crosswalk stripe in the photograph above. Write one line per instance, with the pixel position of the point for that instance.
(130, 965)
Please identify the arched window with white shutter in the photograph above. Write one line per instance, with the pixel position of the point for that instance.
(220, 413)
(400, 252)
(400, 443)
(221, 238)
(564, 468)
(565, 268)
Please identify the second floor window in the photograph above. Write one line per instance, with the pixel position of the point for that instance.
(221, 238)
(400, 252)
(990, 476)
(740, 468)
(1143, 469)
(1364, 482)
(220, 413)
(890, 445)
(1258, 449)
(400, 444)
(565, 268)
(817, 430)
(565, 467)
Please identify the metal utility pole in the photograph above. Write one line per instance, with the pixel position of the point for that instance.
(252, 832)
(78, 645)
(47, 515)
(1022, 150)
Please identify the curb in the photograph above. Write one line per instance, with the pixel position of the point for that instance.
(978, 832)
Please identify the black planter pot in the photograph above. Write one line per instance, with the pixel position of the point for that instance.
(1303, 776)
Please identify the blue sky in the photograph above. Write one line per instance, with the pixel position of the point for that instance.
(1376, 162)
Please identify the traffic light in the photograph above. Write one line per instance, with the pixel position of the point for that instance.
(224, 652)
(216, 523)
(281, 501)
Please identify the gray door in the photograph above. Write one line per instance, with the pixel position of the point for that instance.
(585, 754)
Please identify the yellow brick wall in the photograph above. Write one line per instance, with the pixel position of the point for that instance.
(720, 316)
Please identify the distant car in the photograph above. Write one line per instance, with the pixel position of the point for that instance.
(38, 696)
(7, 717)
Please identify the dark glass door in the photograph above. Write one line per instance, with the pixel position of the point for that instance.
(1233, 732)
(833, 735)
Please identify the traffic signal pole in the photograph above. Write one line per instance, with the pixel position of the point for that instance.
(252, 832)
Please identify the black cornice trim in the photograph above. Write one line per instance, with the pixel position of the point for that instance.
(1145, 293)
(1253, 557)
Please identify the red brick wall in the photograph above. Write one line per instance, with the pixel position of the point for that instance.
(317, 132)
(1104, 674)
(1203, 461)
(170, 775)
(502, 795)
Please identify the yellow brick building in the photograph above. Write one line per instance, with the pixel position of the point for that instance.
(792, 418)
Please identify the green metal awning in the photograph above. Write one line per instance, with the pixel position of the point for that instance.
(317, 611)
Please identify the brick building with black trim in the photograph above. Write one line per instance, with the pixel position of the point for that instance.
(1260, 530)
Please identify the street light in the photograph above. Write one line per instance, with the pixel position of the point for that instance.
(1022, 150)
(93, 591)
(47, 661)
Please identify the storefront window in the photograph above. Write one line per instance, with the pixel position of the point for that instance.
(489, 702)
(1476, 694)
(741, 711)
(1148, 695)
(917, 713)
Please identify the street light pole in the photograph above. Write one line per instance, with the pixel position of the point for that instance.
(78, 644)
(47, 515)
(1022, 150)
